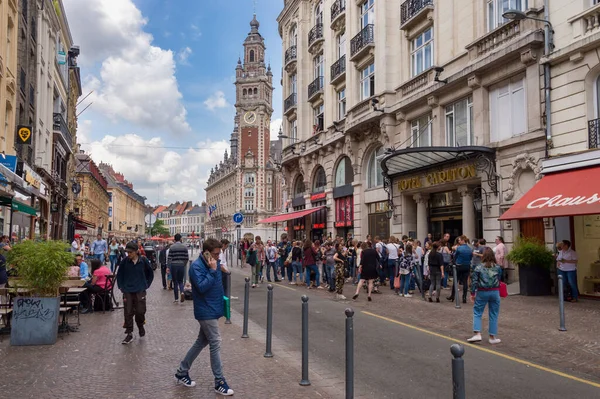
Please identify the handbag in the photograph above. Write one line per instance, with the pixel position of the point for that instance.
(503, 290)
(397, 282)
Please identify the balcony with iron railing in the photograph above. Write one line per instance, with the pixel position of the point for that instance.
(60, 128)
(338, 70)
(338, 13)
(594, 133)
(315, 88)
(289, 104)
(315, 36)
(291, 56)
(362, 43)
(413, 11)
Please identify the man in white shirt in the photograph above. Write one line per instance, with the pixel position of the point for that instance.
(566, 262)
(392, 249)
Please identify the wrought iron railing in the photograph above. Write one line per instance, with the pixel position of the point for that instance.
(59, 125)
(315, 86)
(364, 38)
(289, 102)
(338, 67)
(290, 54)
(338, 7)
(315, 33)
(594, 133)
(410, 8)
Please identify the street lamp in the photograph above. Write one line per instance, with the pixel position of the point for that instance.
(479, 200)
(518, 15)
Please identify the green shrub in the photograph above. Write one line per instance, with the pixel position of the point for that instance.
(42, 266)
(530, 252)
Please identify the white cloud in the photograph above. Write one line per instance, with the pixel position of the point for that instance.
(274, 128)
(196, 34)
(183, 55)
(137, 80)
(216, 100)
(176, 174)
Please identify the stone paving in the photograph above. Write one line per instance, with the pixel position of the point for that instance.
(92, 363)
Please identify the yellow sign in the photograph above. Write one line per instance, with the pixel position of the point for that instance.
(440, 177)
(24, 133)
(32, 180)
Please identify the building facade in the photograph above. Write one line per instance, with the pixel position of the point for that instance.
(91, 204)
(410, 117)
(249, 180)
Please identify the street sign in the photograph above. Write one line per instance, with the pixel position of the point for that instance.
(150, 219)
(238, 218)
(224, 229)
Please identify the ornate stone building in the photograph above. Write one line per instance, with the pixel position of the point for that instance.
(248, 180)
(91, 204)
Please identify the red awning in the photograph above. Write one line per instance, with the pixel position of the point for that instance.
(82, 224)
(289, 216)
(569, 193)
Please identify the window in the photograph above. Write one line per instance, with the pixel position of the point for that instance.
(269, 205)
(249, 205)
(110, 197)
(293, 84)
(294, 131)
(367, 82)
(495, 9)
(508, 110)
(293, 36)
(341, 99)
(255, 92)
(421, 132)
(319, 13)
(318, 118)
(251, 55)
(459, 123)
(299, 187)
(244, 93)
(422, 52)
(374, 171)
(249, 178)
(110, 211)
(269, 179)
(269, 193)
(367, 13)
(341, 45)
(344, 173)
(319, 66)
(249, 192)
(320, 181)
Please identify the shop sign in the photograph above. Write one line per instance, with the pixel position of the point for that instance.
(344, 212)
(61, 57)
(319, 226)
(560, 200)
(318, 197)
(10, 163)
(24, 134)
(32, 178)
(440, 177)
(299, 227)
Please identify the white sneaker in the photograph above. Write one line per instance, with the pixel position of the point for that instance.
(494, 341)
(340, 297)
(407, 296)
(475, 338)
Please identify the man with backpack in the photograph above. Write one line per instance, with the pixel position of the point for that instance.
(271, 255)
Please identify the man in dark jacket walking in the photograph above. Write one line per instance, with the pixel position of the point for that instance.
(134, 277)
(176, 262)
(207, 292)
(162, 259)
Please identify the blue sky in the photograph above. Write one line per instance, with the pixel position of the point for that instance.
(162, 74)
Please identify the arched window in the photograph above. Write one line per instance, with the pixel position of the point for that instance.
(374, 171)
(255, 91)
(320, 180)
(344, 173)
(251, 55)
(299, 188)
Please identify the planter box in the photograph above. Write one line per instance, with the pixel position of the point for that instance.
(534, 281)
(35, 321)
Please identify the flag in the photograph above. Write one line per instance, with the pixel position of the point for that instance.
(211, 209)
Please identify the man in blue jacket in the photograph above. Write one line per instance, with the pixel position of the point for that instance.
(207, 293)
(134, 277)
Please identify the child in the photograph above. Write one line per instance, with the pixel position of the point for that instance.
(169, 279)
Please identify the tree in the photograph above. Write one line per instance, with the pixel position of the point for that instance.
(159, 229)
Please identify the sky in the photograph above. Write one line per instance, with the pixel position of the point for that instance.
(161, 74)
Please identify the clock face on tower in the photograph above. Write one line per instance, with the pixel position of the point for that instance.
(250, 117)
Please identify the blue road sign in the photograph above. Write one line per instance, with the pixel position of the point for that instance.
(238, 218)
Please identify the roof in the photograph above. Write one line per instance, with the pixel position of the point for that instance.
(197, 210)
(159, 209)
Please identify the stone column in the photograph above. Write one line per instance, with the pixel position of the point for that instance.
(422, 227)
(468, 212)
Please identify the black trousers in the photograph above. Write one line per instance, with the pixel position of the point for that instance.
(163, 274)
(85, 296)
(135, 307)
(462, 274)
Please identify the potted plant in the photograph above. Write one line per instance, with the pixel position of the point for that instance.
(41, 268)
(535, 261)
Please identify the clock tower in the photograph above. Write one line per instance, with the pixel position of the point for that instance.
(251, 140)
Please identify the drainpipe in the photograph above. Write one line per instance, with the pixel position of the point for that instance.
(547, 50)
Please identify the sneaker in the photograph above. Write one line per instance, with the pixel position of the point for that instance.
(494, 341)
(340, 297)
(185, 380)
(222, 388)
(142, 331)
(175, 301)
(320, 287)
(407, 296)
(291, 283)
(181, 297)
(128, 339)
(475, 338)
(354, 297)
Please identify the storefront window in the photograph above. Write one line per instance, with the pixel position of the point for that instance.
(344, 173)
(374, 171)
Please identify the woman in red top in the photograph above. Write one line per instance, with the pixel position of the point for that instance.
(310, 264)
(98, 283)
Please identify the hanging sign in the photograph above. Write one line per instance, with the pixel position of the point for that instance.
(23, 134)
(61, 57)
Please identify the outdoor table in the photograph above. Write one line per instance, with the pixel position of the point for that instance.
(70, 287)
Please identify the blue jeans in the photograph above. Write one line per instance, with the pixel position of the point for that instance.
(99, 257)
(331, 277)
(113, 262)
(352, 266)
(309, 268)
(296, 269)
(177, 275)
(404, 283)
(269, 266)
(391, 272)
(492, 299)
(208, 335)
(570, 278)
(447, 272)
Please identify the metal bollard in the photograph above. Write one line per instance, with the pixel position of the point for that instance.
(458, 371)
(268, 352)
(246, 300)
(304, 381)
(455, 287)
(349, 353)
(228, 295)
(561, 304)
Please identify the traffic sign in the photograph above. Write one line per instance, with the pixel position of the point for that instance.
(224, 229)
(150, 219)
(238, 218)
